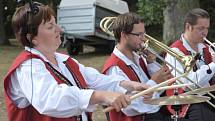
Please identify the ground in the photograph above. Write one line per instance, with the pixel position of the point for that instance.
(89, 58)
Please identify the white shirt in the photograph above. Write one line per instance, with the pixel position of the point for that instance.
(200, 76)
(137, 106)
(57, 100)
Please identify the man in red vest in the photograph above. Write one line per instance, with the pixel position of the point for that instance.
(43, 85)
(196, 25)
(129, 32)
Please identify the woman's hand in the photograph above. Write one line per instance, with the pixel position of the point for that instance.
(133, 86)
(113, 99)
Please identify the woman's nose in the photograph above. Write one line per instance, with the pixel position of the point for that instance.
(58, 28)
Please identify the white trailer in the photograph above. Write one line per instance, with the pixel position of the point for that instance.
(80, 20)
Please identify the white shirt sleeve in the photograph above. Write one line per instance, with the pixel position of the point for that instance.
(153, 67)
(137, 106)
(98, 81)
(47, 97)
(200, 76)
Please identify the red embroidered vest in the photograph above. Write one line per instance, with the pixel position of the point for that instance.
(29, 113)
(113, 60)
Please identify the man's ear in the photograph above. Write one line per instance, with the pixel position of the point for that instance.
(123, 35)
(188, 26)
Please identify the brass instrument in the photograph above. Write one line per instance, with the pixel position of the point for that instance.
(186, 61)
(209, 42)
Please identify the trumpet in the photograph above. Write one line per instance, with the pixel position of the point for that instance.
(209, 42)
(186, 61)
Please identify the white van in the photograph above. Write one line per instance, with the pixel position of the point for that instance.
(80, 20)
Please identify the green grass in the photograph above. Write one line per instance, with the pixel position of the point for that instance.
(7, 54)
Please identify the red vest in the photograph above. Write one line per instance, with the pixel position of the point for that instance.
(113, 60)
(29, 113)
(207, 56)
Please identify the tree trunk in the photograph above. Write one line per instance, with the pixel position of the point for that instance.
(3, 39)
(174, 18)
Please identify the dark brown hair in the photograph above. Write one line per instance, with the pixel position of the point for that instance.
(25, 22)
(192, 16)
(125, 23)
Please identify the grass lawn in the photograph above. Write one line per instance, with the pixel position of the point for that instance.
(7, 54)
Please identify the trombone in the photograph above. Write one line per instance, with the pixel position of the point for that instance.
(186, 61)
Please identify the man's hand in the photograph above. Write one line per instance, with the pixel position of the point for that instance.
(161, 75)
(150, 57)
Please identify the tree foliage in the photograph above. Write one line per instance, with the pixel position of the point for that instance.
(209, 6)
(151, 11)
(8, 7)
(174, 18)
(170, 14)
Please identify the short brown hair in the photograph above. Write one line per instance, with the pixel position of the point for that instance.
(125, 23)
(25, 22)
(192, 16)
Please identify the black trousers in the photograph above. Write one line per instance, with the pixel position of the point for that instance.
(201, 112)
(160, 116)
(196, 112)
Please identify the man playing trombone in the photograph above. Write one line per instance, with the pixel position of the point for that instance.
(196, 25)
(129, 32)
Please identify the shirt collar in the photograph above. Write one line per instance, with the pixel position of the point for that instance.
(124, 58)
(58, 56)
(187, 46)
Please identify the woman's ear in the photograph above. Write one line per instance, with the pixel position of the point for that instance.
(32, 40)
(35, 42)
(28, 36)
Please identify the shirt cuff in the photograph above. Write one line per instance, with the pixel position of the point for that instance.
(119, 88)
(212, 67)
(153, 67)
(84, 100)
(151, 83)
